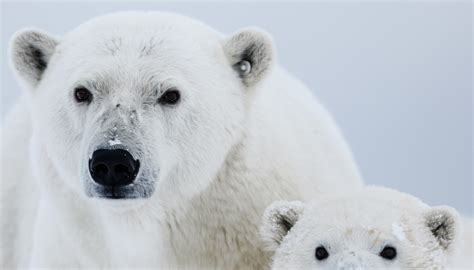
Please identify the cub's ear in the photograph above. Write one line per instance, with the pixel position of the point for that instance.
(251, 54)
(30, 52)
(278, 219)
(444, 224)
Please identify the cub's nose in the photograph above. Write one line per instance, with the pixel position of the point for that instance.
(113, 168)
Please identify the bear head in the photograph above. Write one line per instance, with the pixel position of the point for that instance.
(376, 228)
(139, 104)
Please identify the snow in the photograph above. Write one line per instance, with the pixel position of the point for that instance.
(397, 230)
(115, 141)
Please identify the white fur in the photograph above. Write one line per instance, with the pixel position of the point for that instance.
(355, 228)
(231, 146)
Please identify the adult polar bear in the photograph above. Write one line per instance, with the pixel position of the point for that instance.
(206, 130)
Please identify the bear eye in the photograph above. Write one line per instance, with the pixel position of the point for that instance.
(170, 97)
(321, 253)
(82, 94)
(388, 253)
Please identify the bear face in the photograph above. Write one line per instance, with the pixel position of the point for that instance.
(125, 107)
(376, 228)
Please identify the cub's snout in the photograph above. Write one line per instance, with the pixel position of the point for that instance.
(113, 167)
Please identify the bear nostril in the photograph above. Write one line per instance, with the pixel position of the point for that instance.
(123, 171)
(100, 169)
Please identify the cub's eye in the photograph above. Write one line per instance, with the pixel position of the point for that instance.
(388, 253)
(170, 97)
(81, 94)
(321, 253)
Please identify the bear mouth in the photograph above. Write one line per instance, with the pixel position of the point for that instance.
(132, 191)
(115, 193)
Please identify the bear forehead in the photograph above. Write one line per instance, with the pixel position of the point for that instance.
(141, 34)
(359, 215)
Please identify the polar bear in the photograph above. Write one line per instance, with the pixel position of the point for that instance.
(149, 139)
(374, 228)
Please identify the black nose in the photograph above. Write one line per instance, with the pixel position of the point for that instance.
(113, 167)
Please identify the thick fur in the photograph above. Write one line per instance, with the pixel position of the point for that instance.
(355, 227)
(235, 142)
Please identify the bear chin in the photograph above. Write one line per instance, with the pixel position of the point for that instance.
(121, 205)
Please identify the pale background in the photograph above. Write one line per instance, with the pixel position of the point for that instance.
(396, 76)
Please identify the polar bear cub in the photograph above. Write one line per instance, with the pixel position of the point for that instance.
(376, 228)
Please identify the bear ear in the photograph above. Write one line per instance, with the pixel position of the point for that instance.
(251, 54)
(278, 220)
(30, 52)
(444, 224)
